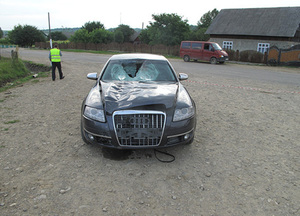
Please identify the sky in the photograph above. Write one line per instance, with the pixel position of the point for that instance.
(112, 13)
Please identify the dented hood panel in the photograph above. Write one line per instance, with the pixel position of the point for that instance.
(130, 95)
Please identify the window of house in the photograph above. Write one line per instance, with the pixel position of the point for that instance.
(228, 45)
(263, 47)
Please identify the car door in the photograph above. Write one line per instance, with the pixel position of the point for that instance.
(208, 51)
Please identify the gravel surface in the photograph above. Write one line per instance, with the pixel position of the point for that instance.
(244, 161)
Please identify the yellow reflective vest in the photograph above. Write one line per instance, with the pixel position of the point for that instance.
(55, 55)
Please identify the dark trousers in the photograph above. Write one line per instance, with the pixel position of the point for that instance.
(54, 66)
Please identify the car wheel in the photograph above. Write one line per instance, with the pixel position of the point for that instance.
(186, 58)
(213, 60)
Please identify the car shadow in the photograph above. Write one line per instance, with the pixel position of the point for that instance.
(165, 155)
(116, 154)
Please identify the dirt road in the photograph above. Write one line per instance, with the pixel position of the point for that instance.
(244, 161)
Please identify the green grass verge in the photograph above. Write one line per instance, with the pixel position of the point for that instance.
(11, 70)
(14, 73)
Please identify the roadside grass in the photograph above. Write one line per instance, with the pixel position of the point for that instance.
(15, 72)
(11, 70)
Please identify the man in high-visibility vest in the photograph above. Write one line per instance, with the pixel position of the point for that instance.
(54, 57)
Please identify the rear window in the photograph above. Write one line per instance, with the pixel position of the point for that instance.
(186, 45)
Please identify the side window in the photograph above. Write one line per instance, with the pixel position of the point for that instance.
(208, 47)
(186, 45)
(197, 46)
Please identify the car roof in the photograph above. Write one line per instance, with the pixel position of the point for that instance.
(137, 56)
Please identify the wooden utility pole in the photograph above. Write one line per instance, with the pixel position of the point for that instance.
(49, 30)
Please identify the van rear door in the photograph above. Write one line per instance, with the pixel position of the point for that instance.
(185, 49)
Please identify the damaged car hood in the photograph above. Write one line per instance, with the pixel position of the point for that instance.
(127, 95)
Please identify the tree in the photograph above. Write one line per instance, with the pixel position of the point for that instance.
(168, 29)
(91, 26)
(145, 36)
(1, 33)
(207, 18)
(25, 35)
(96, 36)
(198, 33)
(58, 35)
(126, 31)
(101, 36)
(119, 36)
(81, 36)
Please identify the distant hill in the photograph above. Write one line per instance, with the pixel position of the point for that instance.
(66, 31)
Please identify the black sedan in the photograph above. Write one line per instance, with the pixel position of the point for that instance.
(138, 102)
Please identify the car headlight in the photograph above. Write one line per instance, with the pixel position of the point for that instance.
(221, 56)
(184, 113)
(95, 114)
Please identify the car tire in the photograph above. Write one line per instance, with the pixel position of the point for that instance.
(186, 58)
(213, 60)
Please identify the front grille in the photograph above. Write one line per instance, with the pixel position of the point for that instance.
(139, 128)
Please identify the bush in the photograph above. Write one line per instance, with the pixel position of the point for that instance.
(244, 56)
(231, 55)
(256, 57)
(251, 56)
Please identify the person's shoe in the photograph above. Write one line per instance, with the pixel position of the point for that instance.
(62, 77)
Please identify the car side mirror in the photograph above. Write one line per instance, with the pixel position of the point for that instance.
(183, 76)
(92, 76)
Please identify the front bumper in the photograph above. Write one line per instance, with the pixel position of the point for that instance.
(223, 59)
(104, 134)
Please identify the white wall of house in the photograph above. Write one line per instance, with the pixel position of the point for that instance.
(248, 44)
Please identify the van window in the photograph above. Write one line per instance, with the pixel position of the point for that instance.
(186, 45)
(216, 46)
(196, 45)
(208, 47)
